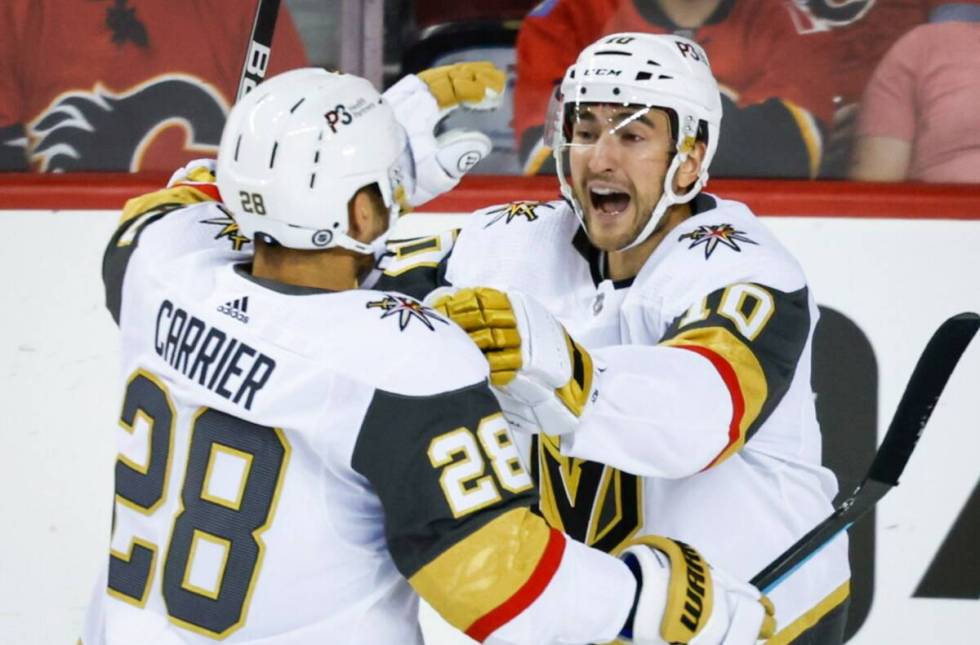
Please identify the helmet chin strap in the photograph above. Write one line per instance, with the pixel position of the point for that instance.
(379, 246)
(667, 199)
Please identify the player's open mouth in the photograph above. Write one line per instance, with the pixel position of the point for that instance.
(608, 201)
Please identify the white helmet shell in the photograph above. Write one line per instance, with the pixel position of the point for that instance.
(297, 148)
(648, 70)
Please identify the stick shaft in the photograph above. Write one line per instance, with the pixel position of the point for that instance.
(929, 378)
(259, 46)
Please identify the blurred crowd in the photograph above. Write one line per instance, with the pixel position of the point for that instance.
(879, 90)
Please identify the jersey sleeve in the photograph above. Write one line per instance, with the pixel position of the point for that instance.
(417, 266)
(137, 215)
(459, 527)
(694, 399)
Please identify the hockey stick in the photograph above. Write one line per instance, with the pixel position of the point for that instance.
(921, 394)
(259, 46)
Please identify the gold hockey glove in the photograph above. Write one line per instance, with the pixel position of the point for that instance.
(681, 599)
(532, 359)
(421, 101)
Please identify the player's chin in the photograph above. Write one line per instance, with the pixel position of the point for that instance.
(610, 230)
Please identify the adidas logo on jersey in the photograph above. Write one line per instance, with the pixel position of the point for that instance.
(236, 309)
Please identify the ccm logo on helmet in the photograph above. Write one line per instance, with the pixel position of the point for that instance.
(690, 51)
(338, 116)
(603, 72)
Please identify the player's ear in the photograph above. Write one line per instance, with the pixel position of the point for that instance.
(367, 214)
(689, 169)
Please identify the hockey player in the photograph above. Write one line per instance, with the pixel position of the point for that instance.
(298, 458)
(658, 337)
(778, 80)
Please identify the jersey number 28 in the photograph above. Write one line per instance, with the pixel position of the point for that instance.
(211, 599)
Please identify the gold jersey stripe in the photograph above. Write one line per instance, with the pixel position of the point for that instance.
(485, 569)
(741, 372)
(813, 616)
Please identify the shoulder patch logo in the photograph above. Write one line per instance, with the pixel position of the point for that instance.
(407, 310)
(712, 235)
(512, 211)
(229, 229)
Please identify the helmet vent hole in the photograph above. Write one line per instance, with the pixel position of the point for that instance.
(238, 145)
(582, 90)
(571, 74)
(316, 157)
(272, 159)
(664, 77)
(616, 91)
(298, 103)
(312, 179)
(643, 76)
(653, 62)
(612, 52)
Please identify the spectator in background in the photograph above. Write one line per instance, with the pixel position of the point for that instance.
(919, 118)
(861, 32)
(774, 68)
(114, 85)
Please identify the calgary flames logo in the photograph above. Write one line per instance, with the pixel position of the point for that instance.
(407, 310)
(714, 234)
(102, 130)
(514, 210)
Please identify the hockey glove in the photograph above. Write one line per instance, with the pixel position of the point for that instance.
(540, 370)
(421, 101)
(680, 599)
(196, 172)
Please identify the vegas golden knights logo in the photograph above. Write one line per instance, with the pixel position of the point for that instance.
(593, 503)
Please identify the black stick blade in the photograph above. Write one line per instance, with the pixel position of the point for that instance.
(928, 380)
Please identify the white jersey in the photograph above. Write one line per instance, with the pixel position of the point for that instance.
(294, 465)
(705, 428)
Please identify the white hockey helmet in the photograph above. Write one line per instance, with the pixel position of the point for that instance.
(644, 71)
(297, 148)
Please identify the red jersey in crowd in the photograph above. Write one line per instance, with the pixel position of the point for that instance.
(765, 54)
(118, 85)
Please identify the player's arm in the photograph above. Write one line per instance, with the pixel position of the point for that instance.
(668, 410)
(192, 184)
(459, 527)
(417, 266)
